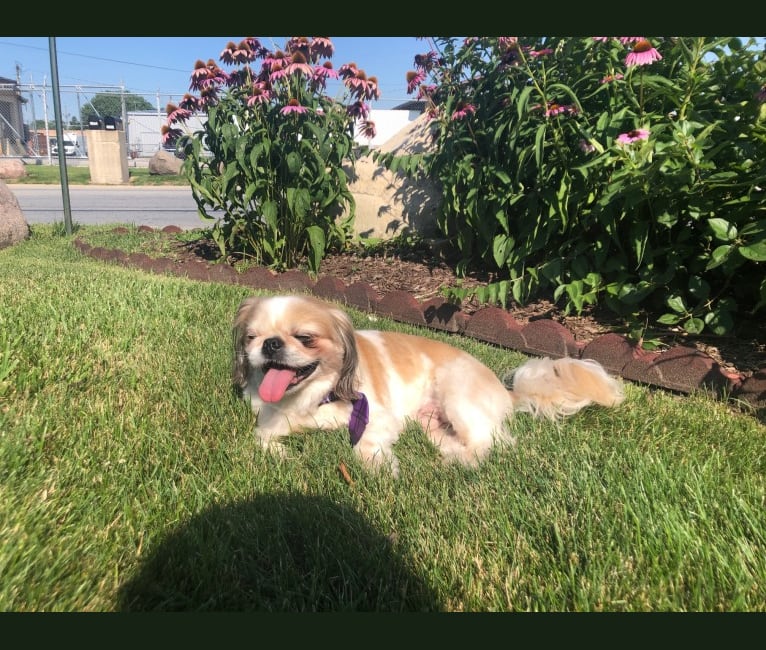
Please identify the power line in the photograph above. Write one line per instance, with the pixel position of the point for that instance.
(98, 58)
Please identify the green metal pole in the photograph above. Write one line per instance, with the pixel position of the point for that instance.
(60, 135)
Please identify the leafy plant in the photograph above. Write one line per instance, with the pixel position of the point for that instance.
(627, 172)
(271, 153)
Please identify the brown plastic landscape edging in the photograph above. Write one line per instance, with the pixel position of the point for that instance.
(680, 368)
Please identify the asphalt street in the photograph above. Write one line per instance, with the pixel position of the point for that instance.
(105, 204)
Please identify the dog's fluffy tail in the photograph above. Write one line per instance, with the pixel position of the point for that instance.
(555, 388)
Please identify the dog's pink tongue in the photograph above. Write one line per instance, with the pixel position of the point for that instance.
(274, 384)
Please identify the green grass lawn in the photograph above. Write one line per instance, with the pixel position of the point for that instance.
(130, 478)
(76, 175)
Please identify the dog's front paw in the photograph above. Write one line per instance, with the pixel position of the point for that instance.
(272, 444)
(376, 458)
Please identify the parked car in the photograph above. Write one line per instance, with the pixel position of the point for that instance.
(71, 147)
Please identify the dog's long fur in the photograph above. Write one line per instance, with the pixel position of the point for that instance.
(460, 403)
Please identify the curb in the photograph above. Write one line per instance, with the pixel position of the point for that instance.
(680, 368)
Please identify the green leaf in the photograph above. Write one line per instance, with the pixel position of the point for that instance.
(269, 212)
(719, 256)
(502, 245)
(719, 321)
(540, 145)
(669, 319)
(668, 220)
(676, 303)
(698, 288)
(722, 229)
(521, 103)
(755, 251)
(317, 245)
(694, 325)
(293, 162)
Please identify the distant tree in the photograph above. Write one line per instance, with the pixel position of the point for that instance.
(110, 103)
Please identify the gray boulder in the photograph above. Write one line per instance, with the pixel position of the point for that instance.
(164, 164)
(12, 168)
(388, 202)
(13, 225)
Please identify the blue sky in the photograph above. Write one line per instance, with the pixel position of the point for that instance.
(150, 65)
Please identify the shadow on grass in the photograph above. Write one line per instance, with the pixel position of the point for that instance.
(286, 553)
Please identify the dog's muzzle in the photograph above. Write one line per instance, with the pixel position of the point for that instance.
(272, 346)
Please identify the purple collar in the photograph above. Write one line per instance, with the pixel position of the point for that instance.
(360, 415)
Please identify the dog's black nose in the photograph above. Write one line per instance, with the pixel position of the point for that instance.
(272, 346)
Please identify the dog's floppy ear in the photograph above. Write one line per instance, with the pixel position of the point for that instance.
(240, 366)
(346, 387)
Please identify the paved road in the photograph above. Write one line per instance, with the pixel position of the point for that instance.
(105, 204)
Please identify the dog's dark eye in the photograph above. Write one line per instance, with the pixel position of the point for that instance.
(250, 337)
(306, 339)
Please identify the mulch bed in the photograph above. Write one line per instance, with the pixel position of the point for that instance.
(424, 275)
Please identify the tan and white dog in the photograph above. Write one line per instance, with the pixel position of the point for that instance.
(303, 366)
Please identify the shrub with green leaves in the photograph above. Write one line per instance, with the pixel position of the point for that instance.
(267, 165)
(627, 172)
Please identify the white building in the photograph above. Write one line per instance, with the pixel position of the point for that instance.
(389, 122)
(145, 137)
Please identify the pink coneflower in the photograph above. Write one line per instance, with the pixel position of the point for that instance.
(511, 56)
(373, 89)
(278, 74)
(559, 109)
(586, 147)
(208, 97)
(293, 106)
(198, 75)
(177, 114)
(321, 48)
(240, 77)
(504, 42)
(255, 46)
(226, 54)
(536, 53)
(347, 70)
(612, 77)
(274, 61)
(426, 62)
(169, 135)
(367, 129)
(633, 136)
(206, 75)
(627, 40)
(462, 110)
(189, 103)
(299, 65)
(298, 44)
(426, 91)
(414, 79)
(358, 110)
(643, 53)
(602, 39)
(260, 95)
(237, 53)
(321, 74)
(361, 87)
(326, 71)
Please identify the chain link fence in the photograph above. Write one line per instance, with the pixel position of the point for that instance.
(27, 121)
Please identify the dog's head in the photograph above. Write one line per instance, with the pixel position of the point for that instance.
(285, 344)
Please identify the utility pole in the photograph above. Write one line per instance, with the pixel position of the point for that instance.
(45, 117)
(60, 135)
